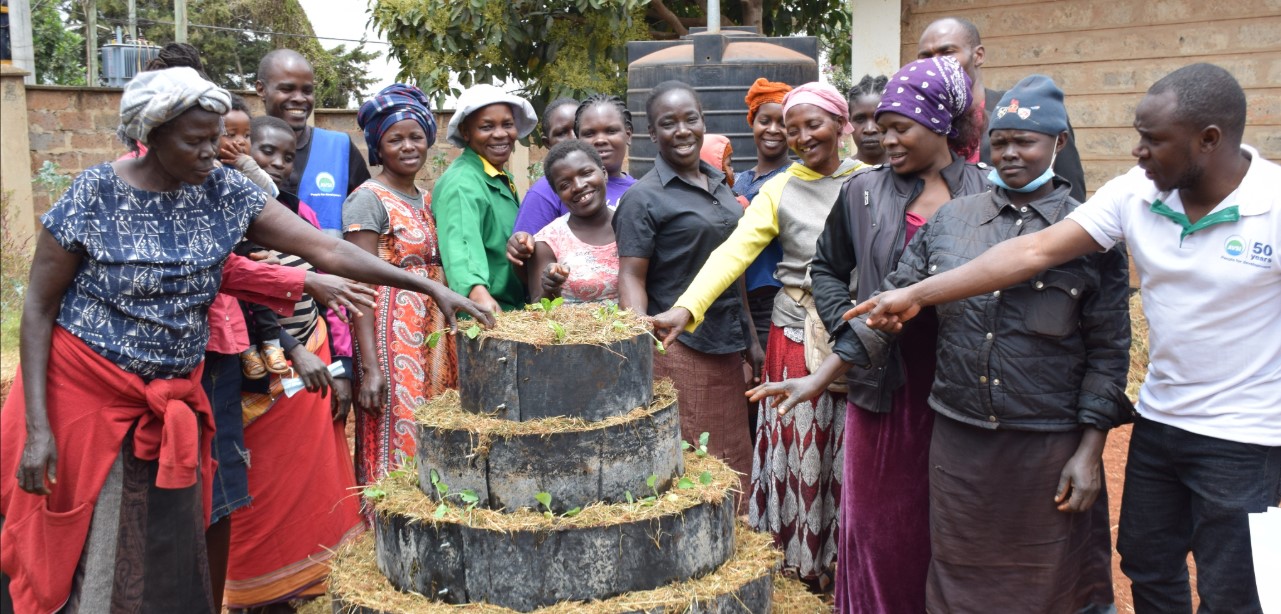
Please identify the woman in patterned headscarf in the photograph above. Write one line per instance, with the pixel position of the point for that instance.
(884, 541)
(390, 217)
(113, 334)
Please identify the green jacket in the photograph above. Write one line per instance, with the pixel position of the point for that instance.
(475, 213)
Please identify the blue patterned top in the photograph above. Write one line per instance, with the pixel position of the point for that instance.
(151, 264)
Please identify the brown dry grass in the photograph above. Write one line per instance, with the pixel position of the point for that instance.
(404, 498)
(1138, 347)
(357, 579)
(444, 412)
(583, 323)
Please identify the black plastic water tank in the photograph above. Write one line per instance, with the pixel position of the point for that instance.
(720, 67)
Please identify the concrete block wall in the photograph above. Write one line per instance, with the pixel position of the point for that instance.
(1106, 53)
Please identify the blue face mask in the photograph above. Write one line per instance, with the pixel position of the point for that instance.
(995, 178)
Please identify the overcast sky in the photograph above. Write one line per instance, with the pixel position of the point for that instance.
(346, 20)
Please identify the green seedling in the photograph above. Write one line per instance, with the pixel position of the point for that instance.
(373, 493)
(705, 478)
(545, 499)
(472, 332)
(546, 305)
(607, 311)
(628, 495)
(684, 483)
(433, 339)
(573, 512)
(557, 329)
(442, 488)
(469, 499)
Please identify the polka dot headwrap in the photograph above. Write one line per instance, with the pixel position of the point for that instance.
(931, 91)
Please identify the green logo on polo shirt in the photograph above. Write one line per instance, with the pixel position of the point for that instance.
(1235, 245)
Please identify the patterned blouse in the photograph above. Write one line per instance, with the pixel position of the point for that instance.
(151, 264)
(593, 269)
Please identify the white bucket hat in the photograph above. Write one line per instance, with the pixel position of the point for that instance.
(483, 95)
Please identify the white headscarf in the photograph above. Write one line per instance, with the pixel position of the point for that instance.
(155, 97)
(483, 95)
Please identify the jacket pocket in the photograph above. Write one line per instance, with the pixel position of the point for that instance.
(1053, 308)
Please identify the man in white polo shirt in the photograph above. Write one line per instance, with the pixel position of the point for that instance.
(1201, 214)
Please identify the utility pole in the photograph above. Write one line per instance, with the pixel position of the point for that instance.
(180, 21)
(91, 41)
(22, 51)
(133, 21)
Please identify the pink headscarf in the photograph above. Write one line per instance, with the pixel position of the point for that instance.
(824, 97)
(713, 151)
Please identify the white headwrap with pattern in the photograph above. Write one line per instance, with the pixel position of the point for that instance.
(155, 97)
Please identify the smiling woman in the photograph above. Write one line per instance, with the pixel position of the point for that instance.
(667, 225)
(476, 201)
(389, 216)
(575, 256)
(796, 503)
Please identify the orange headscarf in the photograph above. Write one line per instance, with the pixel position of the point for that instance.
(762, 92)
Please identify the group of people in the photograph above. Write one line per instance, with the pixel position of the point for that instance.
(947, 464)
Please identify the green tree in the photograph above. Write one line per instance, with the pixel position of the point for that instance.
(59, 51)
(571, 47)
(351, 80)
(232, 35)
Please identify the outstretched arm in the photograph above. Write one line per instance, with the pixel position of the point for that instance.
(279, 229)
(1004, 265)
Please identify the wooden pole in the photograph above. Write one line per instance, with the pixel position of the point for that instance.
(91, 41)
(180, 21)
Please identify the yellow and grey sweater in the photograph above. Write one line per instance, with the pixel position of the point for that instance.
(792, 207)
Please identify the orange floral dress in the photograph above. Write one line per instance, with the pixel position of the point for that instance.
(414, 371)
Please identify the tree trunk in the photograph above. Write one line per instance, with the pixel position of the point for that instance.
(664, 14)
(753, 14)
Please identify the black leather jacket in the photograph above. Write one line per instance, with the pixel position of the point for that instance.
(1048, 354)
(863, 240)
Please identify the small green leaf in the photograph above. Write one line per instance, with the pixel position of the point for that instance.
(545, 304)
(472, 332)
(651, 481)
(619, 325)
(556, 302)
(685, 483)
(374, 493)
(441, 510)
(628, 495)
(573, 512)
(547, 515)
(468, 496)
(435, 477)
(685, 445)
(702, 439)
(659, 346)
(545, 499)
(557, 329)
(705, 478)
(433, 340)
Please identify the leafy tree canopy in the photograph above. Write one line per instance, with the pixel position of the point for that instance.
(59, 52)
(571, 47)
(242, 32)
